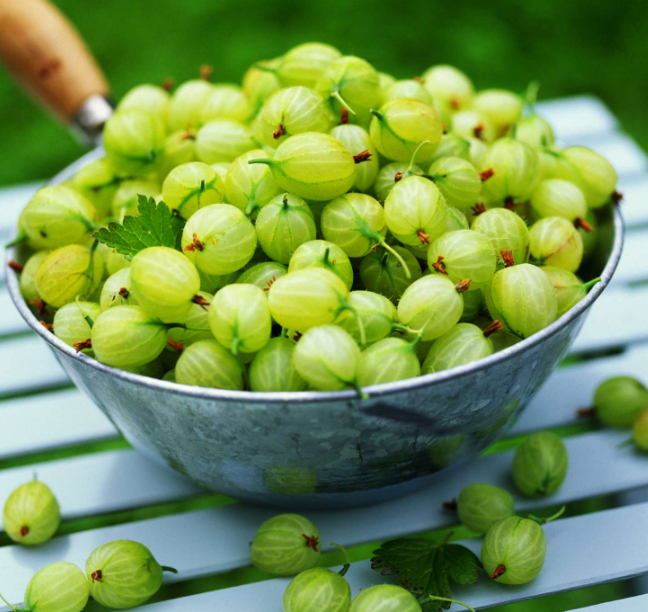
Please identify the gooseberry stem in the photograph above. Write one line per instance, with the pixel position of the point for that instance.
(553, 517)
(17, 240)
(591, 283)
(166, 568)
(336, 94)
(401, 261)
(531, 94)
(409, 172)
(267, 162)
(347, 559)
(461, 603)
(363, 394)
(15, 608)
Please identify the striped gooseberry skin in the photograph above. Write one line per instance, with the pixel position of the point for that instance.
(57, 216)
(535, 131)
(196, 320)
(558, 198)
(286, 545)
(123, 574)
(226, 102)
(313, 166)
(305, 64)
(401, 125)
(594, 174)
(219, 239)
(263, 275)
(207, 363)
(506, 231)
(272, 368)
(356, 140)
(67, 273)
(515, 170)
(464, 254)
(317, 590)
(501, 107)
(523, 299)
(322, 254)
(457, 180)
(187, 103)
(327, 358)
(388, 360)
(250, 186)
(355, 222)
(540, 464)
(283, 225)
(223, 140)
(431, 304)
(31, 514)
(471, 122)
(305, 298)
(378, 316)
(291, 111)
(382, 273)
(556, 242)
(27, 282)
(408, 88)
(127, 336)
(480, 505)
(513, 551)
(239, 318)
(415, 211)
(619, 400)
(58, 587)
(191, 186)
(464, 343)
(451, 89)
(385, 598)
(569, 288)
(70, 323)
(179, 148)
(164, 282)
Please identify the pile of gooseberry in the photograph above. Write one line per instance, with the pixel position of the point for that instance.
(341, 228)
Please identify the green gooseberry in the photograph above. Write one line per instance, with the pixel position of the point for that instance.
(534, 131)
(133, 140)
(304, 64)
(187, 103)
(389, 175)
(44, 591)
(513, 551)
(473, 123)
(455, 220)
(98, 182)
(312, 165)
(351, 83)
(179, 148)
(317, 590)
(558, 198)
(189, 187)
(401, 126)
(259, 84)
(323, 254)
(357, 141)
(452, 145)
(272, 368)
(211, 283)
(250, 187)
(285, 545)
(385, 598)
(195, 323)
(480, 505)
(388, 360)
(457, 180)
(150, 99)
(473, 306)
(123, 574)
(226, 101)
(501, 107)
(408, 88)
(27, 282)
(116, 290)
(377, 313)
(67, 273)
(540, 465)
(450, 89)
(223, 140)
(207, 363)
(523, 299)
(569, 288)
(507, 232)
(556, 242)
(620, 400)
(263, 275)
(31, 514)
(640, 431)
(71, 321)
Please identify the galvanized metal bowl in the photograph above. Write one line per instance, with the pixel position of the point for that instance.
(329, 449)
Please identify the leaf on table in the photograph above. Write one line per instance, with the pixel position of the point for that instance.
(426, 568)
(156, 225)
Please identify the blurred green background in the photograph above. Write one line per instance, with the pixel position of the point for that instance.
(571, 47)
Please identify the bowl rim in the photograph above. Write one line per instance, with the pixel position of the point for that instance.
(310, 397)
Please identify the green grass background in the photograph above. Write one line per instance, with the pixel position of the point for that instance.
(570, 46)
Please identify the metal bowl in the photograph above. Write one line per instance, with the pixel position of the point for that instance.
(329, 449)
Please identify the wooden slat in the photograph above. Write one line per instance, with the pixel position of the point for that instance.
(187, 541)
(573, 387)
(12, 199)
(105, 482)
(50, 420)
(576, 116)
(632, 604)
(633, 266)
(634, 206)
(617, 319)
(575, 559)
(10, 320)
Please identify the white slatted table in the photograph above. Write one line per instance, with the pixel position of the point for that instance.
(48, 427)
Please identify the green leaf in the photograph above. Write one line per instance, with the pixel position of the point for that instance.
(425, 568)
(156, 225)
(461, 564)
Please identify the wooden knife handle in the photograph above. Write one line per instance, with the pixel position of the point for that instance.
(46, 54)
